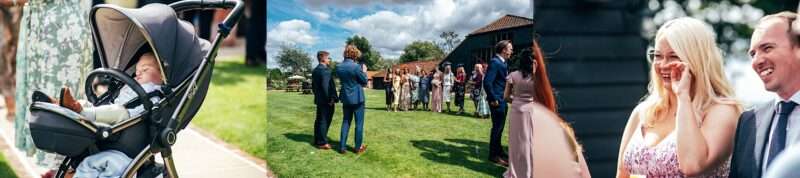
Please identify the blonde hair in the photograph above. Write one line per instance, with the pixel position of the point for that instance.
(351, 52)
(695, 44)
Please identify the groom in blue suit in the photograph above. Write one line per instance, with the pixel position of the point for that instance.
(352, 77)
(494, 84)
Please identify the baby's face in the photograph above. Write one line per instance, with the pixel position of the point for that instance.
(147, 70)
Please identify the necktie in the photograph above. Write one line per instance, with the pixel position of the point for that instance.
(779, 134)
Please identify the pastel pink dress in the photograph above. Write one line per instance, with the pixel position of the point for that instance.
(520, 126)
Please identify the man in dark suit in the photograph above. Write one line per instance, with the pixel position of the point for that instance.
(325, 99)
(766, 130)
(352, 78)
(494, 83)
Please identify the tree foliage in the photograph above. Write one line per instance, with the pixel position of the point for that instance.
(449, 41)
(421, 50)
(368, 55)
(294, 60)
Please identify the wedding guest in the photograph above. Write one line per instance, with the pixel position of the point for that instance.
(387, 81)
(424, 89)
(525, 86)
(436, 91)
(477, 93)
(494, 84)
(685, 126)
(769, 129)
(460, 88)
(447, 84)
(396, 86)
(405, 94)
(352, 79)
(414, 78)
(324, 98)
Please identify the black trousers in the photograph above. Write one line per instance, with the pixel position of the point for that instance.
(255, 52)
(322, 123)
(498, 124)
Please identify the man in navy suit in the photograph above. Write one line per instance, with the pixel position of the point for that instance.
(325, 99)
(494, 83)
(352, 78)
(770, 128)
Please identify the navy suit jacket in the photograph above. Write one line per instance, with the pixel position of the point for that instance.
(494, 83)
(752, 139)
(351, 79)
(743, 161)
(323, 86)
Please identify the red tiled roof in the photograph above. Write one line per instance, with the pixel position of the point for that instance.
(507, 21)
(372, 73)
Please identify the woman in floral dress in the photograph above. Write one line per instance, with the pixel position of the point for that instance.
(54, 51)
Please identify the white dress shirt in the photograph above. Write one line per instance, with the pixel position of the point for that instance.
(792, 129)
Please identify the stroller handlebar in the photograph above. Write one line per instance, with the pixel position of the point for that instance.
(236, 6)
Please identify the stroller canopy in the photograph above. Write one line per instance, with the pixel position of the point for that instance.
(119, 32)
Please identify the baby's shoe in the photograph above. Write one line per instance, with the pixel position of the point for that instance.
(68, 101)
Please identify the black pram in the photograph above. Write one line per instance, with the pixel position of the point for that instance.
(186, 63)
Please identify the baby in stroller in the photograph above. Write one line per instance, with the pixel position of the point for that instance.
(171, 82)
(112, 163)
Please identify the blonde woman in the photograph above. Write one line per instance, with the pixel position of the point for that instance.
(685, 126)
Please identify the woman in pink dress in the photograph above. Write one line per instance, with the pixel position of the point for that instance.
(436, 91)
(686, 124)
(525, 88)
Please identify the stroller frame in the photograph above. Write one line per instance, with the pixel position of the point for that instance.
(162, 133)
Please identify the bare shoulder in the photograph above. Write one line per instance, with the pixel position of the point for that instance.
(722, 113)
(724, 110)
(545, 117)
(548, 129)
(638, 111)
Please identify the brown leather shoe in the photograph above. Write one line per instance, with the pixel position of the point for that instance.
(361, 149)
(342, 151)
(499, 160)
(324, 147)
(68, 101)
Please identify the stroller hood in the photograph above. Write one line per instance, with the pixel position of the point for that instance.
(119, 32)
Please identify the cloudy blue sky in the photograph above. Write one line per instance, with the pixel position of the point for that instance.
(389, 25)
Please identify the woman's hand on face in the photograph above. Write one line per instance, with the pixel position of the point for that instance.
(680, 78)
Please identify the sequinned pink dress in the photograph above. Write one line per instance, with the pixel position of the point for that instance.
(661, 160)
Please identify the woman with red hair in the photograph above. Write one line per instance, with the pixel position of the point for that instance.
(531, 96)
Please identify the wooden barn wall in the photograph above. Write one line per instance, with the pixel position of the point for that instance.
(596, 61)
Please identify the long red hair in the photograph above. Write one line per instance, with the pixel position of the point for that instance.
(544, 95)
(543, 90)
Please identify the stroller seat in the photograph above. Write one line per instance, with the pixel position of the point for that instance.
(63, 131)
(186, 63)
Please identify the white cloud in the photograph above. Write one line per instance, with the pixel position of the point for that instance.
(291, 32)
(348, 3)
(320, 15)
(384, 29)
(390, 31)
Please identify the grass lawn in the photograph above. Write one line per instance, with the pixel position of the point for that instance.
(5, 169)
(234, 109)
(400, 144)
